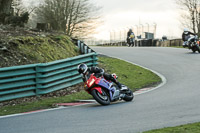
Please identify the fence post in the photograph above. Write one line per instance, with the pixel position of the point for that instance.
(85, 49)
(37, 91)
(79, 44)
(82, 48)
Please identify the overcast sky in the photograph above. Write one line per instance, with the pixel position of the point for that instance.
(120, 14)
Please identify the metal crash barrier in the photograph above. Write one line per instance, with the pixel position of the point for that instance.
(38, 79)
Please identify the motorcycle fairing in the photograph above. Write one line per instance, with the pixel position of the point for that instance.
(98, 89)
(97, 81)
(102, 82)
(108, 85)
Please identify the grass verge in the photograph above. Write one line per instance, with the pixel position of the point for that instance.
(131, 75)
(23, 50)
(189, 128)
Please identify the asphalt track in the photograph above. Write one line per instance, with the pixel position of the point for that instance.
(175, 103)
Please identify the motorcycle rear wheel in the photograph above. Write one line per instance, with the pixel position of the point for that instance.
(193, 48)
(128, 96)
(198, 49)
(102, 99)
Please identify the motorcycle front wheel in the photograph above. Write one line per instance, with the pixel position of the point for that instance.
(102, 99)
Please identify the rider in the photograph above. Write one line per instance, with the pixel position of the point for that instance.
(186, 37)
(98, 72)
(130, 34)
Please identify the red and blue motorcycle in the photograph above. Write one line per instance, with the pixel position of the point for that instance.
(104, 91)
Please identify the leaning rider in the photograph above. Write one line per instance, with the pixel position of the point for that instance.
(98, 72)
(186, 37)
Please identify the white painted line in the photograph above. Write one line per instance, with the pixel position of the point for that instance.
(164, 80)
(40, 111)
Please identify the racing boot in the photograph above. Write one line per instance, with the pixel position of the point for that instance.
(121, 87)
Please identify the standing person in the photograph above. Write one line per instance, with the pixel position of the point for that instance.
(187, 38)
(130, 37)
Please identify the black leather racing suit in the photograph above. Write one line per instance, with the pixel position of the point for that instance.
(98, 72)
(186, 35)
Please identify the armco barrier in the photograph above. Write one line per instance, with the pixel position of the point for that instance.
(38, 79)
(149, 43)
(84, 49)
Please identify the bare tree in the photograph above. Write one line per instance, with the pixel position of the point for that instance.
(18, 7)
(70, 16)
(190, 15)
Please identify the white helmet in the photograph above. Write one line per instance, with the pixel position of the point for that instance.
(186, 30)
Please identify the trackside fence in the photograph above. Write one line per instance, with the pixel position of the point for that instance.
(149, 43)
(84, 49)
(38, 79)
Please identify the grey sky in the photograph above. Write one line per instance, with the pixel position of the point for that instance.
(118, 14)
(32, 3)
(121, 14)
(136, 5)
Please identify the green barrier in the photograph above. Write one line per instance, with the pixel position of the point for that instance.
(38, 79)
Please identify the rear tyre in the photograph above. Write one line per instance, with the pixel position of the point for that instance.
(193, 50)
(198, 49)
(102, 99)
(128, 96)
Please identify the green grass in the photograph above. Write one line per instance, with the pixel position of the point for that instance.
(52, 48)
(189, 128)
(46, 49)
(133, 76)
(32, 49)
(43, 104)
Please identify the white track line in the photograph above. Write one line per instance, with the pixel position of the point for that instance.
(39, 111)
(164, 80)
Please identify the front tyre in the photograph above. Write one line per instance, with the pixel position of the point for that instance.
(102, 99)
(128, 96)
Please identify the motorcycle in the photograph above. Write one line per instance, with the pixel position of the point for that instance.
(131, 40)
(193, 44)
(104, 91)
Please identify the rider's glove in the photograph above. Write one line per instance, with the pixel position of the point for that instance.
(114, 76)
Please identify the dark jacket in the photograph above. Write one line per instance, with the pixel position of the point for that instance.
(98, 72)
(186, 35)
(129, 34)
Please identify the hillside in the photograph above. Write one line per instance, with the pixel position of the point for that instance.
(17, 48)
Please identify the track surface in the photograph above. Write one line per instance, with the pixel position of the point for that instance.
(175, 103)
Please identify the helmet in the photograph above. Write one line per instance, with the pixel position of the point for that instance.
(186, 30)
(82, 68)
